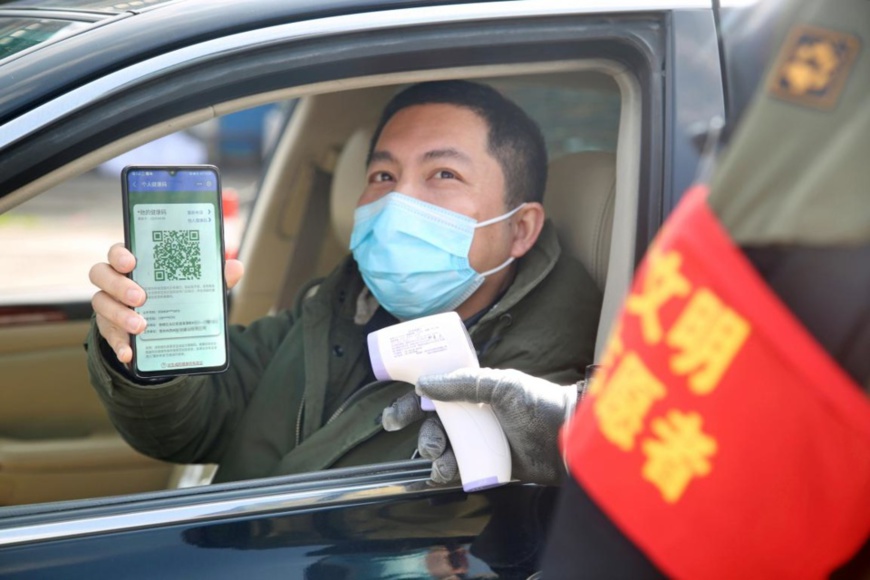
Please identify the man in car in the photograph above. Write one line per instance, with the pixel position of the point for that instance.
(450, 218)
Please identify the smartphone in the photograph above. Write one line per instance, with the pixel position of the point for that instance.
(173, 224)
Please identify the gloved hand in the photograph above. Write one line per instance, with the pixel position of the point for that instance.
(432, 440)
(530, 411)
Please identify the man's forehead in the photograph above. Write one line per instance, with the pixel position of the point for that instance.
(451, 153)
(436, 109)
(436, 120)
(432, 131)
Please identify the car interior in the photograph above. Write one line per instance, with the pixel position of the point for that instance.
(56, 442)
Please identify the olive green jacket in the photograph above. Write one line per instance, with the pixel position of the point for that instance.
(291, 400)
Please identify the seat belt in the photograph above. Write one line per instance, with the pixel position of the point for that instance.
(309, 241)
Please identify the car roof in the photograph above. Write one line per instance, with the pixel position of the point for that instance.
(115, 37)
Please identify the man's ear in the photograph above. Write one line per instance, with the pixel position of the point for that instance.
(527, 226)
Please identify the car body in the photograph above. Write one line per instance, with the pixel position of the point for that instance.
(123, 77)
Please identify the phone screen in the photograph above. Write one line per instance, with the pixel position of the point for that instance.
(173, 225)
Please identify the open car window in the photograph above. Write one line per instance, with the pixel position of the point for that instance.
(572, 119)
(591, 85)
(56, 441)
(75, 222)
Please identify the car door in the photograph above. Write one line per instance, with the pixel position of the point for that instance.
(56, 442)
(369, 521)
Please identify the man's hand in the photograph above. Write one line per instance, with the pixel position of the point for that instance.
(530, 410)
(118, 295)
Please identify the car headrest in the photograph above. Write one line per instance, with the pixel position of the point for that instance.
(348, 183)
(581, 188)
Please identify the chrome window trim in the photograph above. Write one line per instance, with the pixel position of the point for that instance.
(58, 14)
(74, 100)
(217, 510)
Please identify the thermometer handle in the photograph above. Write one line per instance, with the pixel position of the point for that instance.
(479, 443)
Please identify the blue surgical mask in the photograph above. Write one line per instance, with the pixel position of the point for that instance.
(413, 255)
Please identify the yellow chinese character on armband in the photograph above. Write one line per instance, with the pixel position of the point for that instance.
(681, 453)
(708, 335)
(662, 282)
(622, 407)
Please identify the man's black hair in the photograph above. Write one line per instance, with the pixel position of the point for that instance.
(514, 140)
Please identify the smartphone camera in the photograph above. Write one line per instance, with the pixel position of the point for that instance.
(173, 172)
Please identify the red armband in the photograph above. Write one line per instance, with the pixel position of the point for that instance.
(718, 435)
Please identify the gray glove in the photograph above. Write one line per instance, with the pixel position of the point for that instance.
(432, 441)
(530, 411)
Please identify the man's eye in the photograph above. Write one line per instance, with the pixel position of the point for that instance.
(445, 174)
(380, 176)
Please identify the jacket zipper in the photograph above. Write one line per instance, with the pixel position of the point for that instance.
(299, 422)
(354, 396)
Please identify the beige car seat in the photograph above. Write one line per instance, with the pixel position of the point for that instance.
(581, 189)
(348, 182)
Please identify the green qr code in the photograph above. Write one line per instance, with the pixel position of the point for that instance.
(177, 255)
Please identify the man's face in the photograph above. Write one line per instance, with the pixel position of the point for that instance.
(437, 153)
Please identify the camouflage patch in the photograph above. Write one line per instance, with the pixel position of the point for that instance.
(813, 66)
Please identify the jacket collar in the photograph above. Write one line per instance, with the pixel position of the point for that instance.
(531, 270)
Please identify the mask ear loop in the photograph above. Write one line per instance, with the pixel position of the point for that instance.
(497, 219)
(497, 268)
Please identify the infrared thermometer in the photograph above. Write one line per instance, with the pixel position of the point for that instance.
(440, 344)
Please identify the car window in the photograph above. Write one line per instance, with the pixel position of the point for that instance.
(17, 34)
(71, 226)
(572, 119)
(20, 32)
